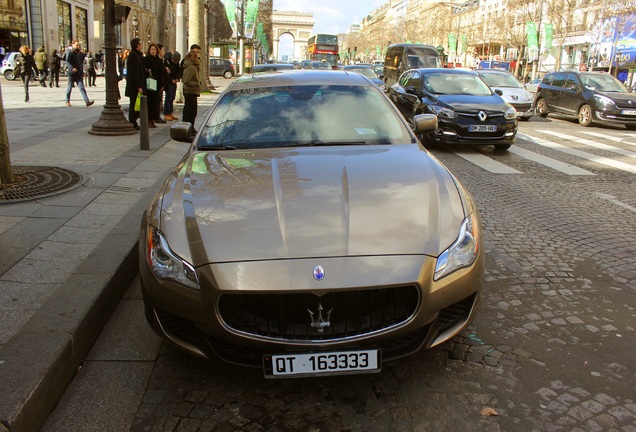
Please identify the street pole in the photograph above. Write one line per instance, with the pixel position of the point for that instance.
(181, 34)
(241, 38)
(112, 121)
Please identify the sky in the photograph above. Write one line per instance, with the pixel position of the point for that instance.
(331, 16)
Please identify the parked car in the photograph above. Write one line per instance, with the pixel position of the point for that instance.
(591, 97)
(367, 71)
(532, 85)
(512, 90)
(221, 67)
(304, 235)
(270, 67)
(468, 111)
(304, 64)
(8, 65)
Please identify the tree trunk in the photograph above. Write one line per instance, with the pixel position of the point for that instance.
(6, 173)
(161, 23)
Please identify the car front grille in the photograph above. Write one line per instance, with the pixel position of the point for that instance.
(451, 315)
(308, 317)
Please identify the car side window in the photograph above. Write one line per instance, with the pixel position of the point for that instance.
(415, 81)
(559, 80)
(571, 81)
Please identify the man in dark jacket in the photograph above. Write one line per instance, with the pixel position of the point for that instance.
(172, 66)
(75, 67)
(135, 79)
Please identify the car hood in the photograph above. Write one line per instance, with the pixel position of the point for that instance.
(513, 95)
(309, 202)
(620, 98)
(469, 103)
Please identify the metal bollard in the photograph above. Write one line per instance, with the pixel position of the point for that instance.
(144, 137)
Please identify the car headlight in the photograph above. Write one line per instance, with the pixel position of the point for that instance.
(603, 100)
(165, 264)
(463, 252)
(510, 114)
(443, 112)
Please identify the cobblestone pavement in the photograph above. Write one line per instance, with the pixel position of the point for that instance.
(552, 349)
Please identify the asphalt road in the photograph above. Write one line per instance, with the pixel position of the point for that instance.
(552, 349)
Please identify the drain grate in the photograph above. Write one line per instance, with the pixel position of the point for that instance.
(39, 181)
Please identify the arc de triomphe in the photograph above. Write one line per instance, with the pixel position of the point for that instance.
(297, 24)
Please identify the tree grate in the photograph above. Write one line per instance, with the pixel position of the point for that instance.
(34, 182)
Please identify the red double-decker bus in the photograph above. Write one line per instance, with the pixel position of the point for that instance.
(324, 47)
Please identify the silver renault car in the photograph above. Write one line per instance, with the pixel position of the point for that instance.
(305, 236)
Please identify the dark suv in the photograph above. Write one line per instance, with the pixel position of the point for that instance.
(221, 67)
(592, 97)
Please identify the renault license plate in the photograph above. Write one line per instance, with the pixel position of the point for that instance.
(327, 363)
(482, 128)
(629, 112)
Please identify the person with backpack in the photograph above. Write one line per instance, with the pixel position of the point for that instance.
(42, 63)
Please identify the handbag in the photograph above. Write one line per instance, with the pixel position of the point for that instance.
(151, 83)
(137, 106)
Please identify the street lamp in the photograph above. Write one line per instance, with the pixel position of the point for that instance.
(112, 121)
(135, 22)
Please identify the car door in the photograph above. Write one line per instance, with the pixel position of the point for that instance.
(571, 95)
(405, 93)
(554, 90)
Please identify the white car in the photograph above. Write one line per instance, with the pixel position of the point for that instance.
(8, 64)
(512, 90)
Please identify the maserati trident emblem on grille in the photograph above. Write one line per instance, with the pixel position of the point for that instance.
(319, 322)
(319, 273)
(482, 116)
(515, 97)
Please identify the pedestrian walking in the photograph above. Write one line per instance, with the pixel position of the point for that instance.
(172, 80)
(26, 64)
(154, 70)
(75, 66)
(135, 79)
(89, 69)
(191, 86)
(55, 63)
(42, 63)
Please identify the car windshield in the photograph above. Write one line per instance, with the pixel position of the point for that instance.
(603, 82)
(290, 116)
(367, 72)
(456, 84)
(494, 79)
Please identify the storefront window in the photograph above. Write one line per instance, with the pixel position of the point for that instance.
(63, 23)
(81, 26)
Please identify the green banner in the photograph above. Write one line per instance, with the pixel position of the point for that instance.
(548, 36)
(250, 18)
(533, 41)
(378, 51)
(230, 11)
(452, 43)
(464, 44)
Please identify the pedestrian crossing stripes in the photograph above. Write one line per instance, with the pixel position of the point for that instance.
(564, 143)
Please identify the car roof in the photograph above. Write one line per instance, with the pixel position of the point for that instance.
(300, 77)
(448, 71)
(492, 70)
(358, 66)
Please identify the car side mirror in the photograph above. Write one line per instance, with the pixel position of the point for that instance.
(425, 123)
(182, 131)
(499, 92)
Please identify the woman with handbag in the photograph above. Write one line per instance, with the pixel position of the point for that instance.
(154, 82)
(27, 67)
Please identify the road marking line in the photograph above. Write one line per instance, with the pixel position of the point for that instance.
(622, 140)
(591, 143)
(613, 199)
(565, 168)
(483, 161)
(589, 156)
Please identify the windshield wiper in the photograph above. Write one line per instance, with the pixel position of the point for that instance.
(219, 147)
(329, 143)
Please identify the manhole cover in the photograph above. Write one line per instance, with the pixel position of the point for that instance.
(37, 182)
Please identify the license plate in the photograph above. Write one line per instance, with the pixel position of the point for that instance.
(629, 112)
(328, 363)
(482, 128)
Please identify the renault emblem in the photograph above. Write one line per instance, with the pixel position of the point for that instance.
(482, 116)
(629, 102)
(319, 273)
